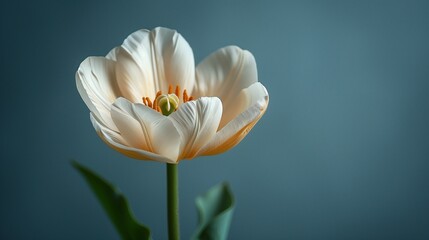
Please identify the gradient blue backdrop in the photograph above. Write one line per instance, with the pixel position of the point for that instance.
(342, 152)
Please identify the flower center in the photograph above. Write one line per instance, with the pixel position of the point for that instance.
(166, 104)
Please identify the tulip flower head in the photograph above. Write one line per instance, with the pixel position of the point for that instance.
(149, 101)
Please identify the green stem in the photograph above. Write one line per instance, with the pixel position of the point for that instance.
(173, 201)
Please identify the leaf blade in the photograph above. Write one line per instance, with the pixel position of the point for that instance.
(215, 209)
(115, 205)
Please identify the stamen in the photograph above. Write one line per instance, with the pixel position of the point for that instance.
(185, 96)
(190, 98)
(144, 101)
(170, 89)
(149, 102)
(177, 92)
(158, 94)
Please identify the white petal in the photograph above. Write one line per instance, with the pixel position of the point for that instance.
(224, 74)
(112, 54)
(95, 81)
(135, 81)
(143, 128)
(231, 134)
(197, 122)
(249, 96)
(115, 141)
(164, 58)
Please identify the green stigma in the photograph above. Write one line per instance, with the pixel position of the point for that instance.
(167, 103)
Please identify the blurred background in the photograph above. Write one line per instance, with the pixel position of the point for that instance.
(341, 153)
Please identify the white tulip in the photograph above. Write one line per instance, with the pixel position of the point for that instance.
(149, 101)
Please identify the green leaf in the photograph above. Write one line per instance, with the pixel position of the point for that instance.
(116, 206)
(215, 210)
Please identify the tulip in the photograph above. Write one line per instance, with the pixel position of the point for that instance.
(149, 101)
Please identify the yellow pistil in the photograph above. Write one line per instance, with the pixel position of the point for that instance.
(167, 103)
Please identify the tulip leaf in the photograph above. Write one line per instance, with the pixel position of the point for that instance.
(116, 206)
(215, 210)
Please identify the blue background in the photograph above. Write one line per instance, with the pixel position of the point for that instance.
(341, 153)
